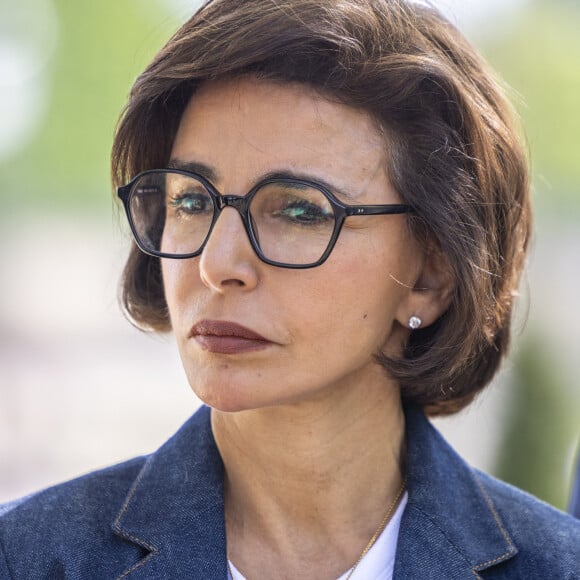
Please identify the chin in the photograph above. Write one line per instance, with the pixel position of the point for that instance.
(233, 398)
(227, 399)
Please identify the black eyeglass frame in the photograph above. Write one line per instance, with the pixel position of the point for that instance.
(242, 204)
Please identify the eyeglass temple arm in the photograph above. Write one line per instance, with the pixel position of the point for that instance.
(377, 209)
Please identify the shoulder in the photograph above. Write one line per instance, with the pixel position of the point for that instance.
(470, 522)
(111, 522)
(75, 497)
(100, 494)
(72, 515)
(534, 526)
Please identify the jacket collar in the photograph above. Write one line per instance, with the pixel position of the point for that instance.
(174, 510)
(450, 528)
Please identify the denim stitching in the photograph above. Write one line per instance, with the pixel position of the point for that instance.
(474, 570)
(116, 526)
(427, 516)
(116, 523)
(512, 549)
(135, 566)
(154, 551)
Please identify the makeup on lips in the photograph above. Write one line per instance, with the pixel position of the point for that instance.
(225, 337)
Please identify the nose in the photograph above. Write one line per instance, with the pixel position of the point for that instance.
(228, 260)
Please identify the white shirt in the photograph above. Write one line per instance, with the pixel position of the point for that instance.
(379, 561)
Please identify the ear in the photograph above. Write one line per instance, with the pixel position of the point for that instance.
(431, 294)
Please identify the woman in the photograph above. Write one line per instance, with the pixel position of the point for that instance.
(331, 208)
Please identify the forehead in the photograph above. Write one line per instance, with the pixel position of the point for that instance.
(245, 127)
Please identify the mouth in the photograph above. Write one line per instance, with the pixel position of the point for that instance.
(225, 337)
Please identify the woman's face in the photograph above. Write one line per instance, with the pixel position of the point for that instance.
(320, 326)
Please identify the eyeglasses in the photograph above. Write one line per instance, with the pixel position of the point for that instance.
(291, 223)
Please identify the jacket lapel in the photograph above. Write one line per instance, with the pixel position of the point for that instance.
(175, 508)
(450, 528)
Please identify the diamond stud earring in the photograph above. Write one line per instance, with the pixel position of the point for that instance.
(415, 322)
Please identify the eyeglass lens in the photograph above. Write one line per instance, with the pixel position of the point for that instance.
(293, 222)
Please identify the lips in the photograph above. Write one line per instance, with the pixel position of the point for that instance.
(227, 337)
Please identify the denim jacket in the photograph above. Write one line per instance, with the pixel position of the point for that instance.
(162, 517)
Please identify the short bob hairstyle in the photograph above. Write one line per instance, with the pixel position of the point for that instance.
(454, 154)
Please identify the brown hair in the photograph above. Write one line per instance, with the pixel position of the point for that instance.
(454, 155)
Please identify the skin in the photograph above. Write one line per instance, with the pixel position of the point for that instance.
(310, 428)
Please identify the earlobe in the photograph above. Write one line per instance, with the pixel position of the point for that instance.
(431, 295)
(415, 322)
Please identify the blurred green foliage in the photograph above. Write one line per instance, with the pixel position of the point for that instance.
(542, 424)
(102, 47)
(540, 59)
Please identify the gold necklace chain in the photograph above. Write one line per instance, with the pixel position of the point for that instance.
(381, 527)
(374, 537)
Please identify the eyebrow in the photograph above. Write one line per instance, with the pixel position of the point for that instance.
(211, 175)
(340, 193)
(194, 167)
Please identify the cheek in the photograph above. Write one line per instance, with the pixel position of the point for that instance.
(179, 280)
(169, 274)
(351, 301)
(369, 285)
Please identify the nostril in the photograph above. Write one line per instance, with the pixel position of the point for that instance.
(233, 282)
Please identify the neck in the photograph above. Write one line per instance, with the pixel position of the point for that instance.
(310, 478)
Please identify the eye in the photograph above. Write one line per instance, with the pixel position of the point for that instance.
(303, 211)
(191, 203)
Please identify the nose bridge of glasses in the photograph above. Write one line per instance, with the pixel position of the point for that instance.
(236, 201)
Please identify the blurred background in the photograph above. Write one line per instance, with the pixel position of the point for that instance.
(80, 388)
